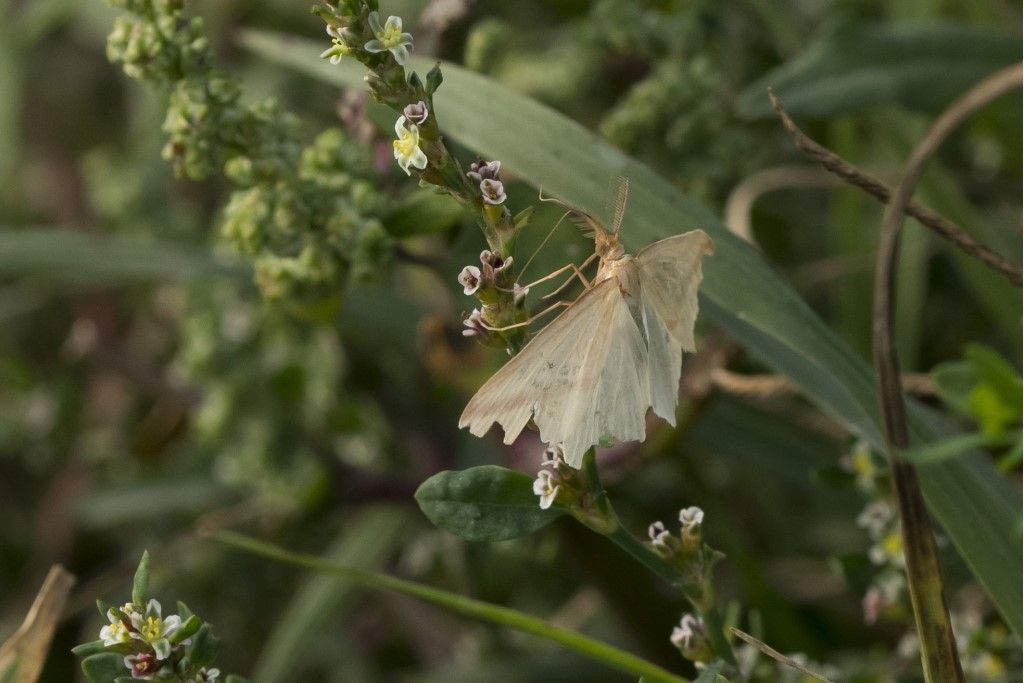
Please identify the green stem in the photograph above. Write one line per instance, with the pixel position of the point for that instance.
(646, 556)
(595, 649)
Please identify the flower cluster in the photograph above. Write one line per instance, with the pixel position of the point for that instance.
(690, 638)
(886, 596)
(140, 641)
(688, 553)
(557, 481)
(308, 217)
(357, 31)
(502, 300)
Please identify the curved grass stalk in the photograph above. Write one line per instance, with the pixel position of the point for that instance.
(495, 614)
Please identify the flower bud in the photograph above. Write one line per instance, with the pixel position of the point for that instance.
(417, 112)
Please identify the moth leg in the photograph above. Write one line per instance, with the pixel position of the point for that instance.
(577, 273)
(532, 318)
(571, 266)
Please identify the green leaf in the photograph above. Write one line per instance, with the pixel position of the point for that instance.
(953, 383)
(423, 212)
(946, 449)
(103, 668)
(973, 502)
(921, 66)
(87, 649)
(69, 256)
(204, 647)
(434, 78)
(485, 503)
(993, 370)
(477, 609)
(140, 584)
(187, 630)
(183, 611)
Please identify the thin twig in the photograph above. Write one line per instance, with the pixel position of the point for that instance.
(776, 655)
(939, 654)
(883, 193)
(772, 386)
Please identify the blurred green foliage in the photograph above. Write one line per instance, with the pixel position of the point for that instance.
(146, 386)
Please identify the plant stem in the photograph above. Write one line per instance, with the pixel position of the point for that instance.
(939, 656)
(646, 556)
(595, 649)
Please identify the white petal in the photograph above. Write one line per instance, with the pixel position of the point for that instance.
(419, 159)
(162, 648)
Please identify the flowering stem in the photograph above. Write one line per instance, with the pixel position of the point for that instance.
(704, 604)
(595, 649)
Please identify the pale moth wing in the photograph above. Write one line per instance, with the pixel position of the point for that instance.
(592, 373)
(670, 274)
(582, 379)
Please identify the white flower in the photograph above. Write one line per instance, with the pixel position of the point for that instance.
(469, 278)
(494, 263)
(546, 485)
(475, 324)
(153, 629)
(407, 146)
(663, 541)
(117, 631)
(493, 191)
(482, 170)
(875, 517)
(552, 457)
(690, 627)
(141, 665)
(339, 45)
(691, 517)
(205, 675)
(389, 37)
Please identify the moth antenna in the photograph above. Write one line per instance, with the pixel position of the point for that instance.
(586, 223)
(622, 196)
(545, 240)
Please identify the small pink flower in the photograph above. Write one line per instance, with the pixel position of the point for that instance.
(469, 278)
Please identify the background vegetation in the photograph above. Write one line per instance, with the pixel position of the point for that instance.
(179, 349)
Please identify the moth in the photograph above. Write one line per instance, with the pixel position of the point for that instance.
(589, 376)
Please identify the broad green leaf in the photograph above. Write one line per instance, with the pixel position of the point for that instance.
(993, 370)
(423, 212)
(973, 502)
(485, 503)
(69, 256)
(922, 66)
(953, 383)
(104, 667)
(366, 543)
(946, 449)
(503, 616)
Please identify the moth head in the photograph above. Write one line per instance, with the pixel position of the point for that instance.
(606, 244)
